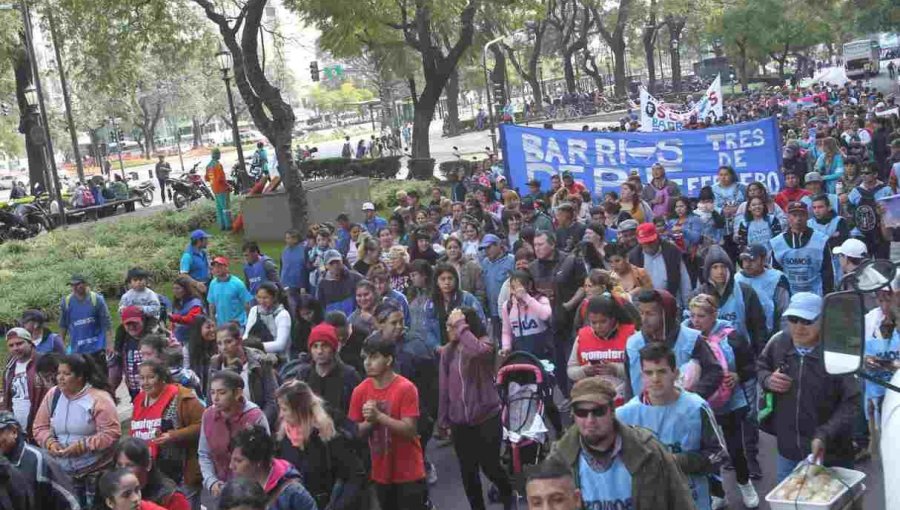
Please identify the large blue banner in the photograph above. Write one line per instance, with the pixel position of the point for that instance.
(603, 161)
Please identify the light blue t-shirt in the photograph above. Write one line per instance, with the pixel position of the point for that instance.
(229, 298)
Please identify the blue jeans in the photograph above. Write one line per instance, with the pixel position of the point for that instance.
(223, 215)
(785, 467)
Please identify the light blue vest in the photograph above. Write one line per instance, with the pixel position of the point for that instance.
(684, 350)
(828, 229)
(764, 285)
(610, 489)
(759, 231)
(802, 266)
(881, 349)
(734, 310)
(256, 274)
(679, 426)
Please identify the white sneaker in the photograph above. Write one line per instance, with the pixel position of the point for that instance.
(718, 503)
(430, 473)
(749, 495)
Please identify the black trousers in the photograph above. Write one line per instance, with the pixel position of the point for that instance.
(162, 189)
(478, 448)
(732, 428)
(402, 496)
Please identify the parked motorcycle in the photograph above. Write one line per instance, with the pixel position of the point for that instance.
(24, 221)
(143, 191)
(188, 188)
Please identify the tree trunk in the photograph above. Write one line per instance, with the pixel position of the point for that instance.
(452, 90)
(569, 71)
(196, 132)
(649, 40)
(676, 26)
(742, 66)
(423, 113)
(28, 123)
(619, 72)
(590, 68)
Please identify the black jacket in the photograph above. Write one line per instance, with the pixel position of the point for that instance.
(671, 256)
(559, 279)
(50, 485)
(15, 491)
(322, 465)
(818, 405)
(336, 387)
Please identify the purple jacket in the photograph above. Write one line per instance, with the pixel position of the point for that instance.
(466, 380)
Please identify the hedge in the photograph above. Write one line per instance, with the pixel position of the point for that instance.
(379, 168)
(35, 273)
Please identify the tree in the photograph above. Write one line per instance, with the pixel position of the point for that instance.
(270, 112)
(573, 20)
(742, 28)
(526, 59)
(615, 38)
(345, 23)
(648, 38)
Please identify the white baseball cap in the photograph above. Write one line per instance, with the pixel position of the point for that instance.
(853, 248)
(368, 206)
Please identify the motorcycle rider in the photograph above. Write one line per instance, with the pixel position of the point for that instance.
(163, 170)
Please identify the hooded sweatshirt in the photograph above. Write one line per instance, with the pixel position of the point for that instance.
(738, 302)
(285, 482)
(687, 345)
(466, 380)
(216, 431)
(277, 321)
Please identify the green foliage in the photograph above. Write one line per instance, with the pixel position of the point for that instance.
(381, 168)
(339, 99)
(384, 193)
(36, 272)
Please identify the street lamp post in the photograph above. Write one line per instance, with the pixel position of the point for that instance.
(487, 86)
(225, 63)
(34, 97)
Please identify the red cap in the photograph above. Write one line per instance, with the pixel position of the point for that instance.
(646, 233)
(220, 260)
(132, 314)
(324, 332)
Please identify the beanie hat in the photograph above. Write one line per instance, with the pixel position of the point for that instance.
(324, 332)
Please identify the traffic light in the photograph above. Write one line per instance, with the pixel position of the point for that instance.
(314, 70)
(112, 136)
(4, 109)
(121, 136)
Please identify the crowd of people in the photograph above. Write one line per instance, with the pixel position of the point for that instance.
(671, 330)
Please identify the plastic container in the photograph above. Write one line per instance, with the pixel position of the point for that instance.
(854, 486)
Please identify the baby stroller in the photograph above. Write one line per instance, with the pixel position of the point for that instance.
(526, 391)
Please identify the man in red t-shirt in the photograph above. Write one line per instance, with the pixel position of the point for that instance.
(386, 407)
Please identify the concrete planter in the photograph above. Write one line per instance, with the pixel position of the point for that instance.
(267, 217)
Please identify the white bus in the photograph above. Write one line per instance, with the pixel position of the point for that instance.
(862, 58)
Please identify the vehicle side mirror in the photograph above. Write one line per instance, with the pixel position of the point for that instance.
(842, 331)
(874, 275)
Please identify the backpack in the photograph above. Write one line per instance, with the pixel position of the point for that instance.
(723, 393)
(93, 297)
(865, 215)
(83, 197)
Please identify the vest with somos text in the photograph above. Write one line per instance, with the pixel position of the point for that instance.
(256, 273)
(146, 423)
(802, 266)
(684, 351)
(734, 310)
(828, 229)
(679, 426)
(606, 490)
(764, 285)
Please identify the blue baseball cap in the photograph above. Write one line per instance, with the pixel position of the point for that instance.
(199, 234)
(488, 240)
(805, 305)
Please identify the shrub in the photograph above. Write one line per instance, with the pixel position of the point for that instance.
(379, 168)
(452, 167)
(35, 273)
(384, 193)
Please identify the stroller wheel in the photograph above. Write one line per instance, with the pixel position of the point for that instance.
(494, 494)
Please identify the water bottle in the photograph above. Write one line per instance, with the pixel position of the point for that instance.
(839, 187)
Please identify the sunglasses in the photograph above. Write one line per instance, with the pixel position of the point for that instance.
(597, 412)
(800, 320)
